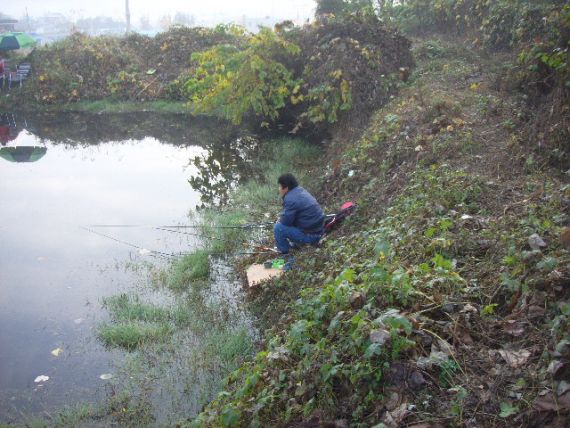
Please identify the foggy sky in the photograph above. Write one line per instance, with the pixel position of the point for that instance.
(154, 9)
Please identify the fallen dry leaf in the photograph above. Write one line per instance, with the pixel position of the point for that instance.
(515, 359)
(514, 328)
(395, 418)
(549, 402)
(563, 387)
(535, 311)
(464, 337)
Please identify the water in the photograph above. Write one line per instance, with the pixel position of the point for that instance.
(53, 271)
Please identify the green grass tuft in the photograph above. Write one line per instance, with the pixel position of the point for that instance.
(130, 335)
(129, 308)
(189, 268)
(229, 345)
(108, 106)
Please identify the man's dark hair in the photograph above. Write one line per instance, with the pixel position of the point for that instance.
(287, 180)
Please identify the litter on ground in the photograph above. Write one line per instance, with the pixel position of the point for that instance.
(258, 273)
(41, 378)
(56, 352)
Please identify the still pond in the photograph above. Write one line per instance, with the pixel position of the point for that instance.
(77, 171)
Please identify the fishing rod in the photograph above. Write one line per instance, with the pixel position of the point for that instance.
(171, 255)
(264, 224)
(199, 235)
(152, 252)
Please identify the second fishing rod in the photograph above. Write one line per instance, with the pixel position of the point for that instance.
(260, 225)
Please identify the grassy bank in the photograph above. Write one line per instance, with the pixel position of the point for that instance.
(442, 300)
(124, 107)
(219, 333)
(101, 107)
(180, 348)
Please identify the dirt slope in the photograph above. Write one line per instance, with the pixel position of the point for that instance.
(444, 301)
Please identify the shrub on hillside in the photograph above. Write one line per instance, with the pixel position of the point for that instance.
(233, 82)
(134, 67)
(538, 32)
(545, 76)
(498, 24)
(349, 63)
(302, 77)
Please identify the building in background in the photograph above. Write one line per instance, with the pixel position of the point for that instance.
(7, 24)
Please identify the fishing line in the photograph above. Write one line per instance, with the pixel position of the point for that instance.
(191, 226)
(239, 253)
(164, 228)
(199, 235)
(170, 255)
(157, 253)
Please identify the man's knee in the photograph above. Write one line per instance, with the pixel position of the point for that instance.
(278, 228)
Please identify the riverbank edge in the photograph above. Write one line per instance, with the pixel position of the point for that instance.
(448, 196)
(101, 107)
(352, 335)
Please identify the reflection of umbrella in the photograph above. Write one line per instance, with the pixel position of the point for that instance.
(11, 41)
(8, 133)
(23, 153)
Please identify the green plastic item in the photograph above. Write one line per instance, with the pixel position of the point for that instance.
(278, 263)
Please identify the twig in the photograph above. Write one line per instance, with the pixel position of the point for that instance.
(146, 87)
(450, 351)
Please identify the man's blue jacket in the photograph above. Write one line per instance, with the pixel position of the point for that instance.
(301, 210)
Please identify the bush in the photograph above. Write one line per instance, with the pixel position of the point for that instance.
(497, 24)
(545, 76)
(233, 82)
(538, 32)
(301, 77)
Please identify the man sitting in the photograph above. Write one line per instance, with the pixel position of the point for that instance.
(302, 219)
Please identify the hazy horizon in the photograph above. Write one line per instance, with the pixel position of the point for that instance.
(292, 9)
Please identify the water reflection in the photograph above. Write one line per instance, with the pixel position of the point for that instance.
(222, 168)
(222, 165)
(8, 128)
(84, 129)
(23, 153)
(95, 169)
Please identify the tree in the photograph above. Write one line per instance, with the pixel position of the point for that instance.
(235, 82)
(144, 23)
(181, 18)
(329, 6)
(339, 7)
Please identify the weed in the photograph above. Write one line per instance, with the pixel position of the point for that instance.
(129, 308)
(456, 409)
(130, 335)
(447, 371)
(192, 267)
